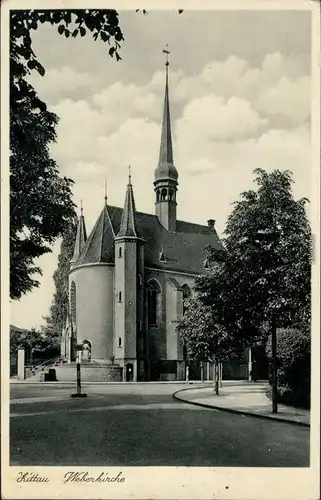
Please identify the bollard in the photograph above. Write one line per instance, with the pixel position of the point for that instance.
(78, 394)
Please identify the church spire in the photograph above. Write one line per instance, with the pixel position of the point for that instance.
(166, 147)
(128, 220)
(81, 236)
(166, 175)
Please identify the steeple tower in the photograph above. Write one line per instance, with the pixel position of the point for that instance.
(128, 223)
(81, 237)
(166, 174)
(129, 269)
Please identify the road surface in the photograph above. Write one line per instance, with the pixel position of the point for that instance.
(142, 425)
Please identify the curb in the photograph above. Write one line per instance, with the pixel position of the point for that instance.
(73, 382)
(235, 412)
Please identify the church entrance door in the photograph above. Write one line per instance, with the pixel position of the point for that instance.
(129, 372)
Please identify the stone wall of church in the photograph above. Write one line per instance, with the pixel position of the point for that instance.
(94, 308)
(156, 334)
(163, 341)
(174, 301)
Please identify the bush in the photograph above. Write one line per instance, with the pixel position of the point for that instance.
(293, 361)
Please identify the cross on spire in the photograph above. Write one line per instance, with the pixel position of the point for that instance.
(106, 191)
(129, 175)
(166, 52)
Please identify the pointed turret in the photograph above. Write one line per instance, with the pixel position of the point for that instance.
(129, 266)
(81, 237)
(166, 175)
(99, 246)
(128, 222)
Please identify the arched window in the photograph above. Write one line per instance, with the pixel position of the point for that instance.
(73, 309)
(163, 194)
(153, 298)
(120, 250)
(157, 195)
(187, 292)
(171, 195)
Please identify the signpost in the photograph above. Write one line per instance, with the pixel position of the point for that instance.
(78, 394)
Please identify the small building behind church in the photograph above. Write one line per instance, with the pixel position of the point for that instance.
(129, 278)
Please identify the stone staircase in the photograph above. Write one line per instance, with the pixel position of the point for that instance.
(40, 373)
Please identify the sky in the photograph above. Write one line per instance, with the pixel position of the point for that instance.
(240, 100)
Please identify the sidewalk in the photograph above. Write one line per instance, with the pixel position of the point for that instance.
(247, 398)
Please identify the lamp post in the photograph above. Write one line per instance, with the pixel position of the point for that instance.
(30, 348)
(78, 394)
(270, 237)
(274, 367)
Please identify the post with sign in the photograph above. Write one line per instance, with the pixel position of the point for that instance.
(78, 394)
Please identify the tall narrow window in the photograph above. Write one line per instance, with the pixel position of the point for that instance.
(73, 309)
(152, 309)
(119, 296)
(119, 341)
(153, 297)
(120, 252)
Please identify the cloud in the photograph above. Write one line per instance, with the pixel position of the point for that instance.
(79, 126)
(214, 118)
(63, 82)
(271, 88)
(229, 100)
(287, 100)
(127, 100)
(216, 135)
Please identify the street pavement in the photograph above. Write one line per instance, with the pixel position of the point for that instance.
(142, 425)
(245, 397)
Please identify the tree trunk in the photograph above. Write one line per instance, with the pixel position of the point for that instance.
(221, 375)
(216, 377)
(250, 367)
(187, 373)
(274, 368)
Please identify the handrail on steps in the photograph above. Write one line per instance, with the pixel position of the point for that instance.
(52, 361)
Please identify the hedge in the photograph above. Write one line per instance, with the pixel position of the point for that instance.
(293, 361)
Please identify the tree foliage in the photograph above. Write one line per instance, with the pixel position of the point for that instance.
(205, 337)
(56, 321)
(261, 270)
(267, 254)
(294, 363)
(41, 204)
(35, 339)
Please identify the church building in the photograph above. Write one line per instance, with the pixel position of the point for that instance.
(129, 278)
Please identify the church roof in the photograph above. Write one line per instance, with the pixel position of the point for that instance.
(184, 249)
(101, 238)
(81, 237)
